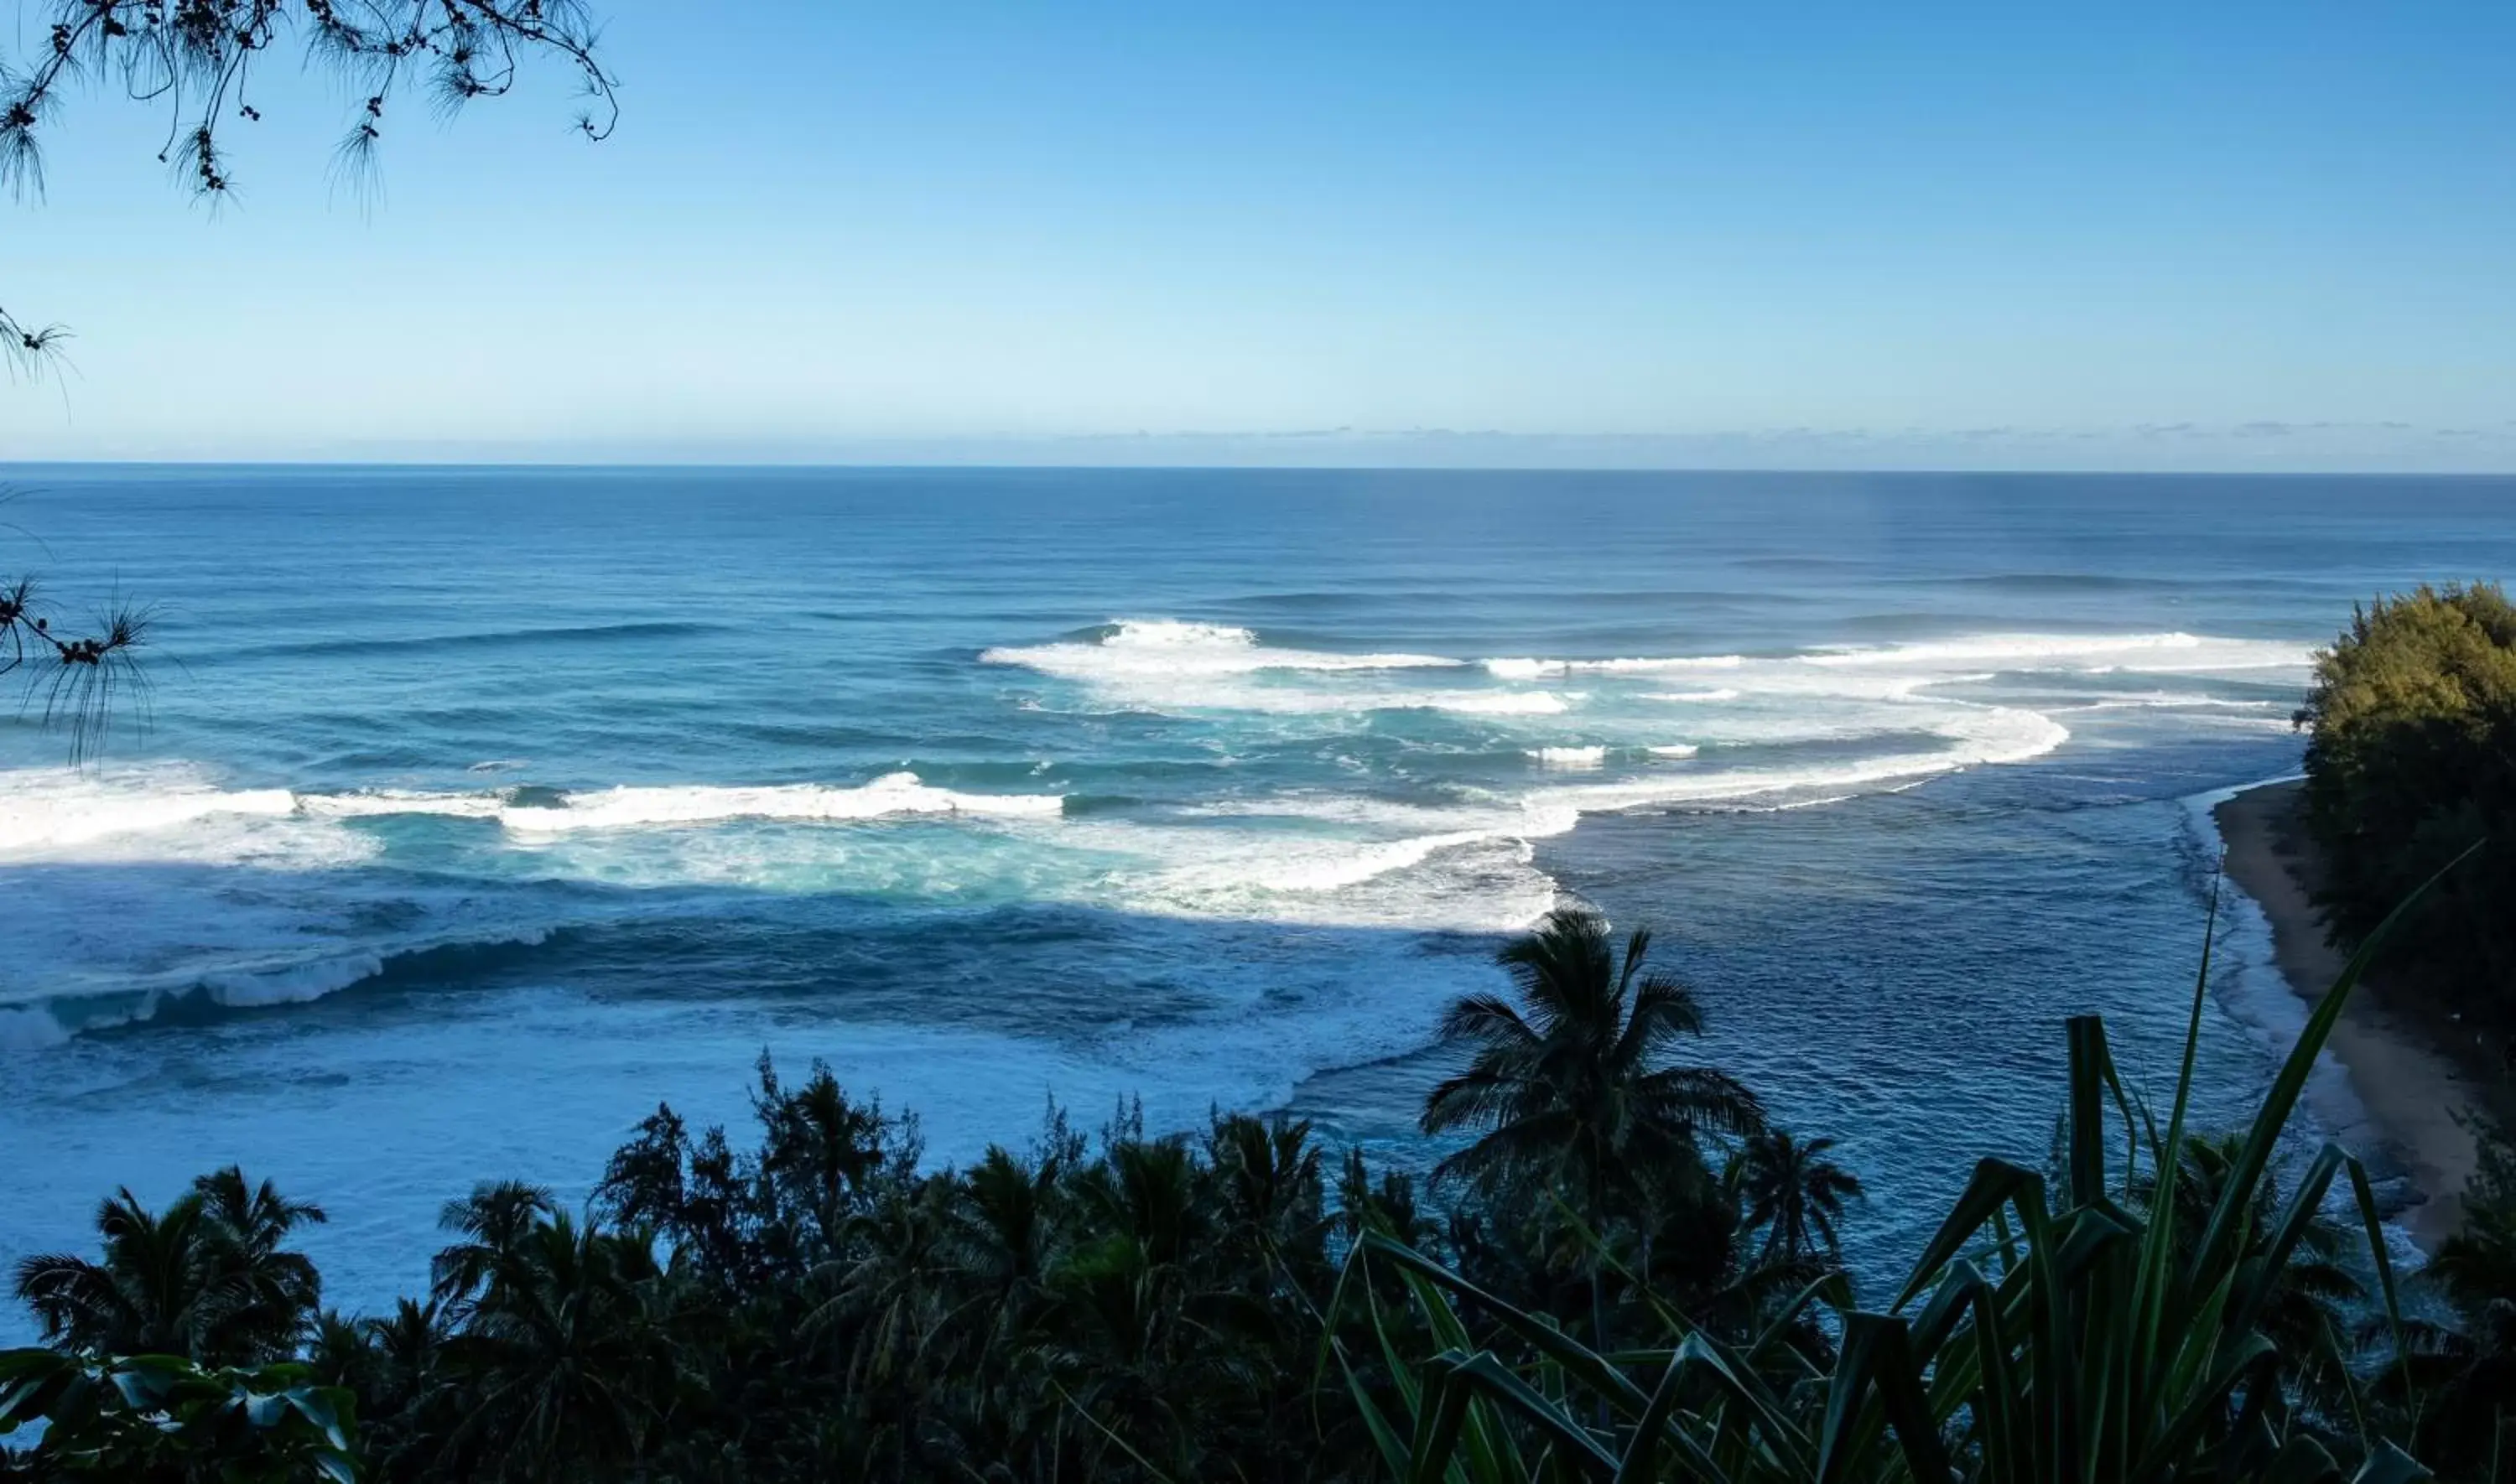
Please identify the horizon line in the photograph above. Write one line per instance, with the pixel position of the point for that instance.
(806, 465)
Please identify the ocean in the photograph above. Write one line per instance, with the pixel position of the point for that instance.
(479, 810)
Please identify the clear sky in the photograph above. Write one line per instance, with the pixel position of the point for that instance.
(2192, 235)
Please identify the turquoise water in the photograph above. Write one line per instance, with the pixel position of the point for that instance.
(482, 809)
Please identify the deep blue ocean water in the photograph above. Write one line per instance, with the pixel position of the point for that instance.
(483, 809)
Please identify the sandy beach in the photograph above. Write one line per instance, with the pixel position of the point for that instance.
(2415, 1081)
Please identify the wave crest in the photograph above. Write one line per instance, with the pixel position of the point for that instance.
(48, 813)
(1166, 648)
(893, 794)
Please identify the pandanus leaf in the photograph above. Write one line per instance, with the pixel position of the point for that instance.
(1436, 1427)
(2157, 1290)
(1393, 1450)
(2251, 1361)
(1996, 1184)
(2373, 1223)
(1490, 1452)
(1750, 1402)
(1877, 1365)
(1497, 1381)
(1640, 1464)
(2090, 1067)
(1577, 1360)
(1833, 1287)
(2008, 1446)
(2389, 1465)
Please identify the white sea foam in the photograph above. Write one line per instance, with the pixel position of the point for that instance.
(1168, 665)
(171, 812)
(2169, 700)
(2157, 653)
(1523, 670)
(1569, 757)
(48, 808)
(1535, 668)
(1328, 871)
(1992, 734)
(1468, 862)
(893, 794)
(1169, 650)
(29, 1028)
(194, 949)
(387, 801)
(1509, 703)
(1478, 879)
(1663, 665)
(294, 985)
(302, 980)
(1457, 854)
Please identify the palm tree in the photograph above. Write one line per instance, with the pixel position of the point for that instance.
(2311, 1307)
(1795, 1194)
(275, 1293)
(1570, 1089)
(1002, 1240)
(1268, 1171)
(821, 1153)
(562, 1340)
(208, 1278)
(492, 1223)
(889, 1283)
(2315, 1290)
(2465, 1376)
(406, 1409)
(1157, 1316)
(155, 1291)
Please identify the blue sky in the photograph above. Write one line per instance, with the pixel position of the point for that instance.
(2227, 235)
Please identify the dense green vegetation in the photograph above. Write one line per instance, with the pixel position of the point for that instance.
(2412, 759)
(1621, 1272)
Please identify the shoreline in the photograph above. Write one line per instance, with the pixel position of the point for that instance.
(2419, 1094)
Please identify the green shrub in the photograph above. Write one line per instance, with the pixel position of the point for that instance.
(2412, 760)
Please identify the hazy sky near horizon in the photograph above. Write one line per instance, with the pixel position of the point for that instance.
(2225, 236)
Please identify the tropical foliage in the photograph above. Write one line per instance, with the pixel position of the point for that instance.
(1795, 1193)
(2114, 1321)
(1621, 1271)
(2411, 760)
(207, 1278)
(2466, 1373)
(147, 1418)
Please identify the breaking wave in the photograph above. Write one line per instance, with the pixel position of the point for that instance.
(34, 1021)
(1304, 786)
(893, 794)
(1569, 757)
(44, 812)
(1166, 648)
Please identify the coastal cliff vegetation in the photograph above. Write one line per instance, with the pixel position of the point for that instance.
(2411, 761)
(1621, 1270)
